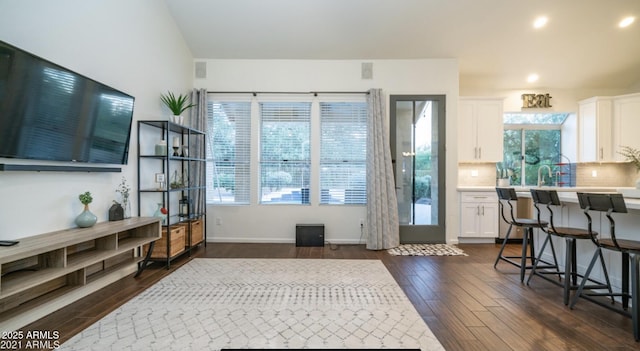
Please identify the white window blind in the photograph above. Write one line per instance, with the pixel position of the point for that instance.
(285, 152)
(343, 152)
(228, 152)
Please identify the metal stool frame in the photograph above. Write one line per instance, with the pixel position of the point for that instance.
(630, 250)
(508, 195)
(550, 198)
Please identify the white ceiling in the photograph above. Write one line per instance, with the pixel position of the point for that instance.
(580, 48)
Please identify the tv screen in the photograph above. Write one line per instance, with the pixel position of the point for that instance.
(48, 112)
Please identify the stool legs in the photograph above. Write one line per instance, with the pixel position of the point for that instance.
(527, 242)
(504, 243)
(523, 263)
(625, 282)
(569, 268)
(596, 255)
(635, 291)
(546, 241)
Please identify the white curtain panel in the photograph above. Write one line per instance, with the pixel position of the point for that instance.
(198, 121)
(383, 231)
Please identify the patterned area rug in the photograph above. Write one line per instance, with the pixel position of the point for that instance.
(209, 304)
(426, 250)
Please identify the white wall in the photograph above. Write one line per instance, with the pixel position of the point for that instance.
(133, 46)
(276, 223)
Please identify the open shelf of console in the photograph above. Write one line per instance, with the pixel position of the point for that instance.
(48, 271)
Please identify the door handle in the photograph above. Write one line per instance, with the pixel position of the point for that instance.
(480, 153)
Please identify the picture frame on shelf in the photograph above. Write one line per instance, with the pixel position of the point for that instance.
(160, 181)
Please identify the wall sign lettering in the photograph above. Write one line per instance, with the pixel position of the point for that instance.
(536, 100)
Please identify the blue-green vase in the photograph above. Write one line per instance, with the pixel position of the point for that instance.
(86, 218)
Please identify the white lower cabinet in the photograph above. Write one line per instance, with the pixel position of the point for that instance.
(479, 215)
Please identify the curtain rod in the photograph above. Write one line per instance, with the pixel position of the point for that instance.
(315, 93)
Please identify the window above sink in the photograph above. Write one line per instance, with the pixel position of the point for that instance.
(532, 141)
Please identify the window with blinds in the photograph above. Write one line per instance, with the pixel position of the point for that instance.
(228, 152)
(343, 152)
(285, 152)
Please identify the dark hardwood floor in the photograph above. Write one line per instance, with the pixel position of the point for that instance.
(467, 303)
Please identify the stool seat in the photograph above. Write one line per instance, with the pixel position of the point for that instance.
(569, 232)
(623, 244)
(529, 222)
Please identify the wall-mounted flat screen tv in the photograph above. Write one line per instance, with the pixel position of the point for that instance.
(48, 112)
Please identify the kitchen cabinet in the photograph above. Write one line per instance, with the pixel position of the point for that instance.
(479, 214)
(626, 120)
(480, 129)
(595, 123)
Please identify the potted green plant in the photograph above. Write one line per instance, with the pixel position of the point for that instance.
(176, 104)
(85, 198)
(632, 155)
(86, 218)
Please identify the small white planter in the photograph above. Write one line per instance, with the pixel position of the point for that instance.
(176, 119)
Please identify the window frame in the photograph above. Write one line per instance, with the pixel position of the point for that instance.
(302, 165)
(256, 161)
(245, 162)
(523, 127)
(348, 195)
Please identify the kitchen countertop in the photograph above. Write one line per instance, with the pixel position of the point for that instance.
(559, 189)
(565, 194)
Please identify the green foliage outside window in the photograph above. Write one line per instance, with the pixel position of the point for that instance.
(531, 147)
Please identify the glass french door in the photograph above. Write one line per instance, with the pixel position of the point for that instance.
(417, 150)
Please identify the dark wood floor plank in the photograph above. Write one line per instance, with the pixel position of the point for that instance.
(467, 303)
(532, 331)
(489, 339)
(454, 308)
(508, 335)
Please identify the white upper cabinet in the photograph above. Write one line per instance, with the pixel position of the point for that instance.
(605, 124)
(595, 130)
(626, 120)
(480, 129)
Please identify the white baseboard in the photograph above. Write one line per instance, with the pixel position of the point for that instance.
(462, 240)
(277, 241)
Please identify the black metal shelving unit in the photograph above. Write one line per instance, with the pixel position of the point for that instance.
(186, 166)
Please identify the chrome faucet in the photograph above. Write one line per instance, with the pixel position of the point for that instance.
(540, 179)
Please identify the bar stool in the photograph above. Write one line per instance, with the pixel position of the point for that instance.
(509, 195)
(550, 198)
(630, 250)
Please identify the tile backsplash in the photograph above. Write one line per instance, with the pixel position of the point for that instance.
(587, 174)
(606, 174)
(476, 174)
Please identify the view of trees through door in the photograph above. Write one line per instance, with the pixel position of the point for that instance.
(417, 150)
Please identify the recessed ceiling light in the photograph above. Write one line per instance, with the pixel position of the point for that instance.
(626, 21)
(532, 78)
(540, 22)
